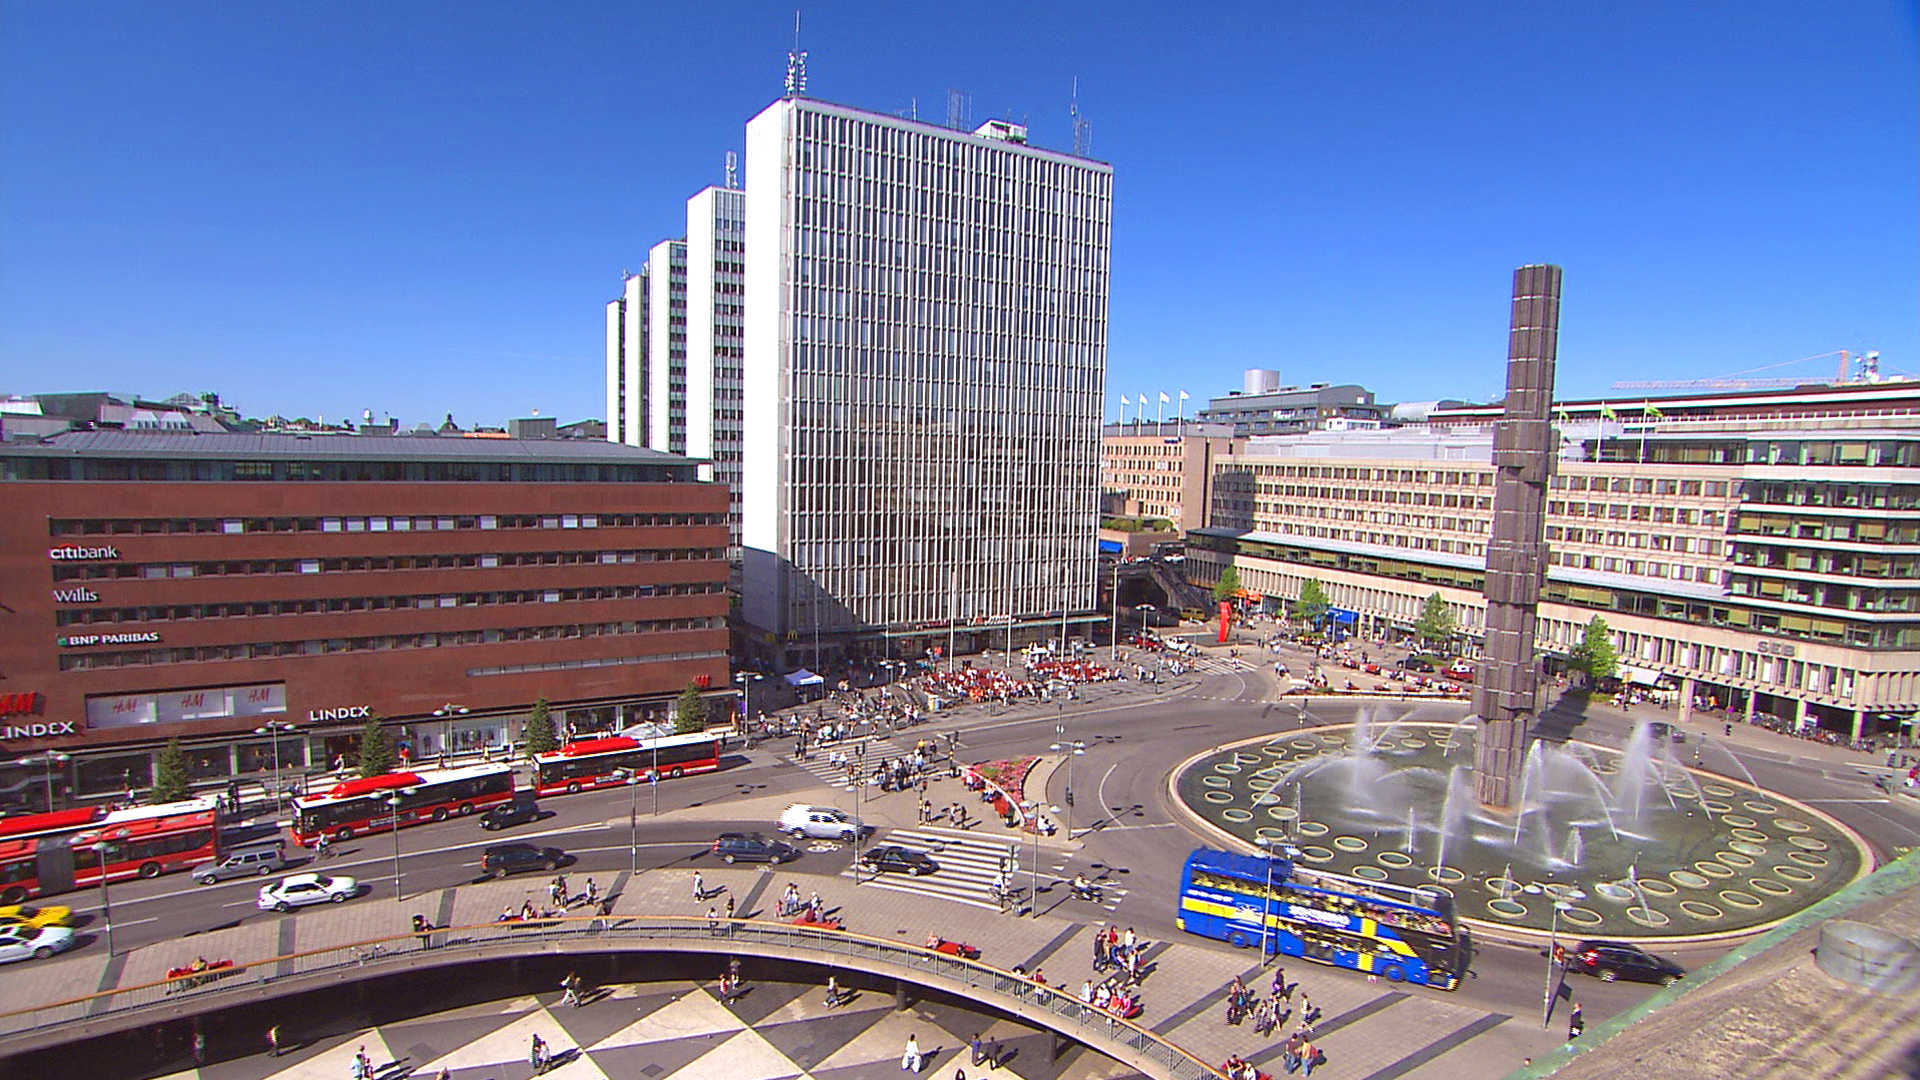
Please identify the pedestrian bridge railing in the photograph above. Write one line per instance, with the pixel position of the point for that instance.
(1060, 1011)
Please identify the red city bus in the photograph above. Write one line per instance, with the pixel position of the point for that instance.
(592, 763)
(44, 854)
(359, 806)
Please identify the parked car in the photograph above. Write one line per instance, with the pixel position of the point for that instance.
(898, 859)
(820, 822)
(1660, 730)
(505, 815)
(503, 859)
(18, 941)
(36, 916)
(300, 890)
(243, 862)
(735, 847)
(1611, 960)
(1461, 672)
(1416, 663)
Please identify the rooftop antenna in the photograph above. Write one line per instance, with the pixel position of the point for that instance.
(959, 109)
(796, 63)
(733, 170)
(1082, 127)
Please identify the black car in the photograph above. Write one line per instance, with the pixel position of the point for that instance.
(734, 847)
(895, 857)
(1611, 960)
(502, 815)
(1416, 663)
(503, 859)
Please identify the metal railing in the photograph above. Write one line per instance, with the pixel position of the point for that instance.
(1057, 1009)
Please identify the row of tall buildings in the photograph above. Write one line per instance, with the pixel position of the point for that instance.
(1758, 550)
(890, 346)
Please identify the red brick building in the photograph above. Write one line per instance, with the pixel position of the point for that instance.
(217, 587)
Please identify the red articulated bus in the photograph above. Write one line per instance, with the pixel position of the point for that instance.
(592, 763)
(359, 806)
(44, 854)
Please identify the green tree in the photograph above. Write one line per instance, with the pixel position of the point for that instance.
(1313, 602)
(376, 749)
(539, 729)
(1436, 626)
(1594, 654)
(690, 712)
(1228, 586)
(170, 774)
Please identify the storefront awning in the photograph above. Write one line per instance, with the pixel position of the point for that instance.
(1638, 676)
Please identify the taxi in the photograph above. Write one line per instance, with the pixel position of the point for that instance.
(36, 917)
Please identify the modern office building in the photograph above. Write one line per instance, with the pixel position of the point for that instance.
(667, 347)
(715, 325)
(1265, 408)
(1763, 552)
(261, 597)
(627, 379)
(1167, 476)
(926, 333)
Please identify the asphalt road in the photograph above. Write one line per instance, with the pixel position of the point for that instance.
(1134, 734)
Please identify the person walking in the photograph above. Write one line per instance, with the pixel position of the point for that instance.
(910, 1057)
(537, 1055)
(273, 1041)
(699, 887)
(973, 1051)
(1099, 949)
(570, 987)
(1576, 1023)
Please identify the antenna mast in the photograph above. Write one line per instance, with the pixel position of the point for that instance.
(796, 63)
(1082, 127)
(733, 170)
(959, 109)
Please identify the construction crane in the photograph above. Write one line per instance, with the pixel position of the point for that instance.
(1739, 381)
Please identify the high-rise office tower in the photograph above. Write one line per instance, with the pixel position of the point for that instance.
(667, 346)
(926, 330)
(627, 362)
(715, 313)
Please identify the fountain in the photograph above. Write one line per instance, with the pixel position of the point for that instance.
(1714, 855)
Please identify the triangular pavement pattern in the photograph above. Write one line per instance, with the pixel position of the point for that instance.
(886, 1039)
(591, 1023)
(435, 1037)
(644, 1061)
(811, 1041)
(764, 999)
(691, 1016)
(580, 1066)
(744, 1056)
(337, 1060)
(501, 1045)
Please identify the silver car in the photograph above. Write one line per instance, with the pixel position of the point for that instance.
(19, 941)
(243, 862)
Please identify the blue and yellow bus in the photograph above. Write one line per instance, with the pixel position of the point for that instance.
(1401, 934)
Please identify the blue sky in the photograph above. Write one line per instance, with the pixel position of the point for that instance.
(421, 208)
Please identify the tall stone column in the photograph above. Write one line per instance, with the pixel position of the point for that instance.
(1506, 692)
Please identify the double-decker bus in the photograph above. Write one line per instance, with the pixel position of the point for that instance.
(359, 806)
(43, 854)
(592, 763)
(1402, 934)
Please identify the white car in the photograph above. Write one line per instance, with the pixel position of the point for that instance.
(19, 941)
(299, 890)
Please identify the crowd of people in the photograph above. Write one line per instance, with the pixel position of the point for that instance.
(1268, 1014)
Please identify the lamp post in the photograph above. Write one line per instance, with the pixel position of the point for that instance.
(1116, 610)
(1267, 844)
(859, 824)
(446, 713)
(632, 781)
(48, 760)
(1562, 902)
(1033, 876)
(104, 851)
(393, 803)
(274, 728)
(1072, 750)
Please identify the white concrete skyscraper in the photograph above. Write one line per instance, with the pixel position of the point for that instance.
(627, 362)
(926, 330)
(667, 347)
(716, 319)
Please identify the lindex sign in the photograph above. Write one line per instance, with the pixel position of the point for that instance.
(344, 712)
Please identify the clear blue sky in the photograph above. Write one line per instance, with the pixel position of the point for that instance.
(420, 208)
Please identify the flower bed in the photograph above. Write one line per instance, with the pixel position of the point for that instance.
(1008, 775)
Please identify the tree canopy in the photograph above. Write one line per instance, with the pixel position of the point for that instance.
(376, 749)
(1313, 603)
(539, 729)
(690, 712)
(1595, 654)
(1228, 586)
(170, 774)
(1436, 625)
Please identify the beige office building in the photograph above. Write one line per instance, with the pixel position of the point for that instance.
(1147, 474)
(1758, 552)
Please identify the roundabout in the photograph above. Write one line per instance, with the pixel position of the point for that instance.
(1602, 842)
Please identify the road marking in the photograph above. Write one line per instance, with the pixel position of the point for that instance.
(1881, 799)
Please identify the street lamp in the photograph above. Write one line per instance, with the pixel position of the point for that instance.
(1267, 844)
(446, 713)
(393, 802)
(104, 851)
(1031, 810)
(49, 760)
(1562, 902)
(1116, 610)
(1072, 750)
(632, 780)
(274, 728)
(859, 823)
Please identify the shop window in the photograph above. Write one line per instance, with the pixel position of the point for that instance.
(109, 775)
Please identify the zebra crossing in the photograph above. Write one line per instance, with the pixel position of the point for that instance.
(819, 762)
(968, 865)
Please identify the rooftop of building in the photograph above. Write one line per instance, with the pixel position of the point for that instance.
(984, 133)
(248, 446)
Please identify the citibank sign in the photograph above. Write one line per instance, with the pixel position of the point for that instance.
(72, 553)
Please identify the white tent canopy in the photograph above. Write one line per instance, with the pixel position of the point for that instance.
(803, 677)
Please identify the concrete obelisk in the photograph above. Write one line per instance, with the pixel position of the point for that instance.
(1506, 693)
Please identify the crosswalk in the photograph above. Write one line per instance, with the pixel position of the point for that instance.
(819, 761)
(968, 865)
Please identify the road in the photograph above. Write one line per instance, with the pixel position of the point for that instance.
(1129, 836)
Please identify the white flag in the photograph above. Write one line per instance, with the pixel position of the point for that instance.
(1143, 401)
(1164, 399)
(1183, 395)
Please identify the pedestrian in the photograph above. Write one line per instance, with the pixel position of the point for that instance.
(1310, 1056)
(570, 987)
(273, 1041)
(537, 1055)
(910, 1057)
(973, 1050)
(1576, 1023)
(713, 921)
(729, 905)
(993, 1054)
(199, 1047)
(593, 892)
(1099, 949)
